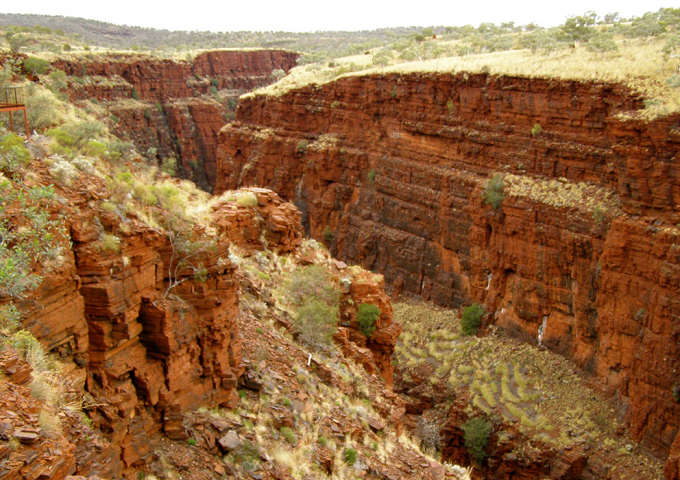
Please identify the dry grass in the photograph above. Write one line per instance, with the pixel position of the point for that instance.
(537, 390)
(585, 197)
(641, 65)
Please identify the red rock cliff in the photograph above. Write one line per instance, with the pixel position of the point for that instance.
(171, 105)
(391, 169)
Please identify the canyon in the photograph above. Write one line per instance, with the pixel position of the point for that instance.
(582, 256)
(171, 108)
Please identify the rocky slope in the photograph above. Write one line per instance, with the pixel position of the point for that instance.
(137, 342)
(582, 255)
(175, 107)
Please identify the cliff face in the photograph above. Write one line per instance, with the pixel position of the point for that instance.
(174, 107)
(391, 170)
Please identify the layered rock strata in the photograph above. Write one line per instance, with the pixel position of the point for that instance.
(174, 107)
(583, 253)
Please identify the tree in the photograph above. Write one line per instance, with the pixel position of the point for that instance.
(579, 28)
(17, 41)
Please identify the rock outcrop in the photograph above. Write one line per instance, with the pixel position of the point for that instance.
(176, 107)
(582, 255)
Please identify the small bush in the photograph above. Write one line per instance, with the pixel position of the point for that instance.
(108, 207)
(169, 166)
(494, 193)
(10, 318)
(247, 199)
(428, 431)
(13, 154)
(472, 317)
(63, 171)
(302, 146)
(371, 176)
(110, 242)
(289, 435)
(367, 315)
(350, 456)
(328, 235)
(536, 130)
(323, 441)
(477, 432)
(50, 424)
(191, 442)
(134, 94)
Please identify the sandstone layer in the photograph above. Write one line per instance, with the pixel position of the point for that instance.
(174, 107)
(583, 253)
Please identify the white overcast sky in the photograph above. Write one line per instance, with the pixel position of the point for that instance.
(316, 15)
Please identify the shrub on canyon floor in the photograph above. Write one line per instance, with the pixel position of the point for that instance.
(471, 319)
(477, 432)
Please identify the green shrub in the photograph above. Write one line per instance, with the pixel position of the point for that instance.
(472, 317)
(536, 130)
(323, 441)
(477, 432)
(134, 93)
(10, 318)
(328, 234)
(494, 193)
(169, 166)
(36, 66)
(367, 315)
(108, 207)
(289, 435)
(371, 176)
(191, 442)
(350, 456)
(302, 146)
(13, 154)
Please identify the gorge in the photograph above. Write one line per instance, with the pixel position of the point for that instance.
(585, 247)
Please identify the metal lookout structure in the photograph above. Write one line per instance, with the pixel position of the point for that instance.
(12, 100)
